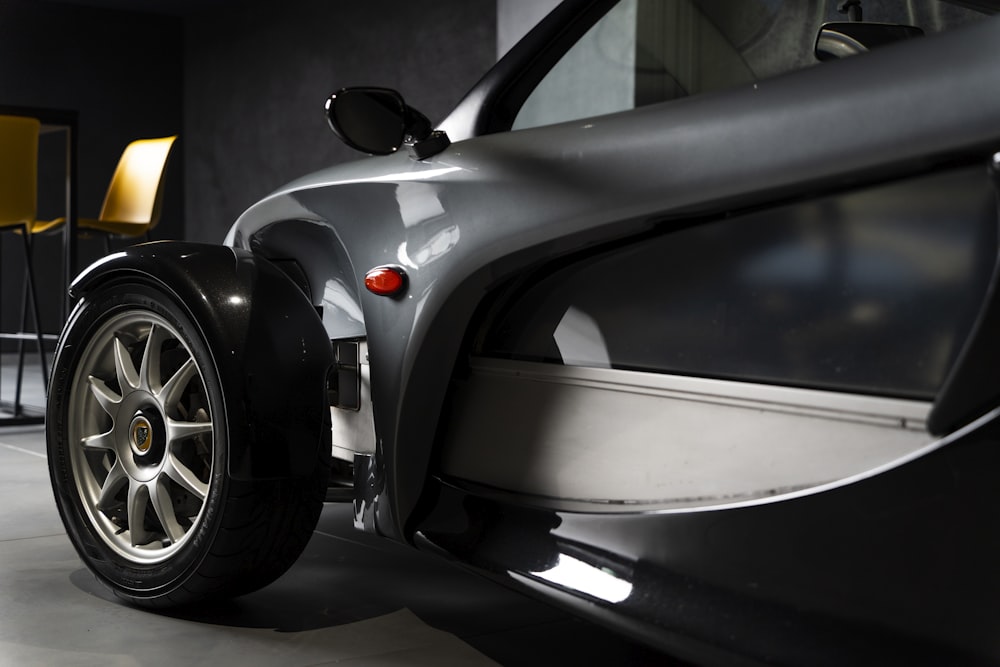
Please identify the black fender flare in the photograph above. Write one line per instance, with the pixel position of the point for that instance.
(266, 339)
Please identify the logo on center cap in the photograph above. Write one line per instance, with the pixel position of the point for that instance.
(142, 436)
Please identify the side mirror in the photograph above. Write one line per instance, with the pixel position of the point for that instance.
(378, 121)
(368, 119)
(842, 39)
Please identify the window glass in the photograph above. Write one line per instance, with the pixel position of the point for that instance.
(648, 51)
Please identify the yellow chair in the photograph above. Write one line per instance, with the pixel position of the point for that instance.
(134, 199)
(18, 206)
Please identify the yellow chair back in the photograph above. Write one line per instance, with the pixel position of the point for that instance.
(18, 170)
(135, 194)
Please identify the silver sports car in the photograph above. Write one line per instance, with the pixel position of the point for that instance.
(685, 318)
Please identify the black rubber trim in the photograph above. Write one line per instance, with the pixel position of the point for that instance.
(971, 388)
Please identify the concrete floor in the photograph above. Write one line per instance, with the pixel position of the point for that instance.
(351, 599)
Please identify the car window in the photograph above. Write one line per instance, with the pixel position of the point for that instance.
(648, 51)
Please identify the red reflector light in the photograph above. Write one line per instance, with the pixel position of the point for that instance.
(385, 280)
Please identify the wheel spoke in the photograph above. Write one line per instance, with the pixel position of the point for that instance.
(107, 398)
(164, 507)
(180, 430)
(112, 486)
(101, 441)
(124, 368)
(183, 475)
(138, 499)
(149, 368)
(173, 388)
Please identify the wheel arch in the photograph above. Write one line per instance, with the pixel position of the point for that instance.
(315, 257)
(266, 340)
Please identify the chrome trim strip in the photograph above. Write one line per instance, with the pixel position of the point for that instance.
(876, 410)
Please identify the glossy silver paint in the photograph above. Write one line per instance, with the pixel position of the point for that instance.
(490, 206)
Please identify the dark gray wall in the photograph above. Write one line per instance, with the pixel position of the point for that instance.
(257, 74)
(122, 71)
(242, 82)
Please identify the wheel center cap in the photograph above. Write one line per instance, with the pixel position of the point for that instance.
(141, 435)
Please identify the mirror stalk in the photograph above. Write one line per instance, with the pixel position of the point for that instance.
(423, 141)
(435, 142)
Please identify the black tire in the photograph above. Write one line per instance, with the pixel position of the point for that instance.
(138, 444)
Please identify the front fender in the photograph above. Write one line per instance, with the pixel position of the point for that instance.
(266, 339)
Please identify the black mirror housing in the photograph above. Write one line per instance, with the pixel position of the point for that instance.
(378, 121)
(371, 120)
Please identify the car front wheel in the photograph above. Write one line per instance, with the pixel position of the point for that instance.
(138, 454)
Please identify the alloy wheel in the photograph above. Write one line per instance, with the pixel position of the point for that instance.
(141, 436)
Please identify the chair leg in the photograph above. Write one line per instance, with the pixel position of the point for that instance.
(1, 290)
(23, 324)
(30, 289)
